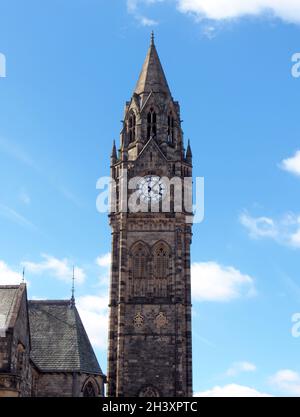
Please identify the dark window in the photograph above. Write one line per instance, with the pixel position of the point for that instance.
(89, 390)
(131, 128)
(161, 269)
(171, 129)
(20, 358)
(151, 124)
(139, 265)
(139, 270)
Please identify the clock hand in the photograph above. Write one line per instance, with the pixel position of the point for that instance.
(157, 182)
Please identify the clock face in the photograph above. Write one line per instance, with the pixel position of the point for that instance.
(151, 188)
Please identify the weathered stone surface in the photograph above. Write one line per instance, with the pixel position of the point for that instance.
(15, 369)
(150, 350)
(58, 343)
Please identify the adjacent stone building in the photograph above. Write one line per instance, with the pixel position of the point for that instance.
(44, 349)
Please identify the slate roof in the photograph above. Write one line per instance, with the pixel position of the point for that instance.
(9, 298)
(58, 339)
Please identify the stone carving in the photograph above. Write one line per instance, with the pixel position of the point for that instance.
(161, 320)
(148, 392)
(138, 320)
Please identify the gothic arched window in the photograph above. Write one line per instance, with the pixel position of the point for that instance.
(171, 129)
(139, 269)
(88, 390)
(151, 124)
(131, 127)
(20, 358)
(161, 269)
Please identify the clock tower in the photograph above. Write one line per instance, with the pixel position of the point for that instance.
(150, 340)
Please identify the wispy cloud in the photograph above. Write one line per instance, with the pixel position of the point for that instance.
(15, 217)
(15, 151)
(285, 231)
(18, 153)
(145, 21)
(133, 7)
(69, 195)
(240, 367)
(58, 268)
(292, 164)
(24, 197)
(231, 390)
(214, 282)
(259, 227)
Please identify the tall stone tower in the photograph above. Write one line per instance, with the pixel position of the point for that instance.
(150, 343)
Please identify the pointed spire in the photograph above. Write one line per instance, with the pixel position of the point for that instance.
(189, 154)
(23, 275)
(152, 77)
(73, 290)
(114, 152)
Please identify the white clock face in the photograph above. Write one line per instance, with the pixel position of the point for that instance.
(151, 188)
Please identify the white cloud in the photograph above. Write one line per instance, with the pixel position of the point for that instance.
(145, 21)
(60, 268)
(287, 381)
(295, 238)
(292, 164)
(239, 367)
(132, 5)
(285, 231)
(224, 10)
(93, 311)
(133, 8)
(8, 276)
(259, 226)
(231, 390)
(287, 10)
(214, 282)
(104, 260)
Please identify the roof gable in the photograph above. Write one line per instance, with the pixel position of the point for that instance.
(59, 340)
(152, 146)
(10, 302)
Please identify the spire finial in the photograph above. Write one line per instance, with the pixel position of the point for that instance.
(73, 289)
(114, 152)
(152, 37)
(189, 154)
(23, 275)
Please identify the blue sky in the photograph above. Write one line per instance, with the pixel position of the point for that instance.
(70, 67)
